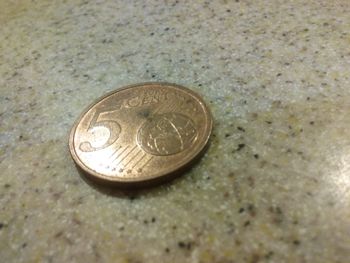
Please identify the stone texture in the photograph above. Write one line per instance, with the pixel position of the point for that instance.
(274, 185)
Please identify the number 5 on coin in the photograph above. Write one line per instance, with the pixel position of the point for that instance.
(95, 124)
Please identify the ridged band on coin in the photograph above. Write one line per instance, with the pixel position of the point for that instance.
(140, 133)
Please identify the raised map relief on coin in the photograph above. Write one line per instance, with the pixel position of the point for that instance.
(167, 133)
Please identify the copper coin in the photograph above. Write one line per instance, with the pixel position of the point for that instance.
(140, 134)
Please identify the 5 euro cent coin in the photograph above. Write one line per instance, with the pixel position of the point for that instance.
(141, 134)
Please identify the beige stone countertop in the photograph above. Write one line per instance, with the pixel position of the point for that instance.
(274, 185)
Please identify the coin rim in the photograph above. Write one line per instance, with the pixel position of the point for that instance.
(126, 181)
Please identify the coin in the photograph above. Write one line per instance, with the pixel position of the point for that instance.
(140, 134)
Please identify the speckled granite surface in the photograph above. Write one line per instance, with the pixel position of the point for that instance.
(275, 183)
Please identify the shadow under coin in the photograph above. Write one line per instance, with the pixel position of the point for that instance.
(148, 188)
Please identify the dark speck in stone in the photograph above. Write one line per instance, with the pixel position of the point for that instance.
(7, 185)
(241, 129)
(228, 10)
(296, 242)
(277, 214)
(1, 225)
(227, 135)
(241, 210)
(269, 255)
(279, 74)
(252, 210)
(153, 219)
(185, 245)
(166, 29)
(240, 146)
(312, 122)
(167, 250)
(181, 244)
(24, 245)
(153, 76)
(151, 34)
(268, 122)
(246, 223)
(256, 156)
(58, 234)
